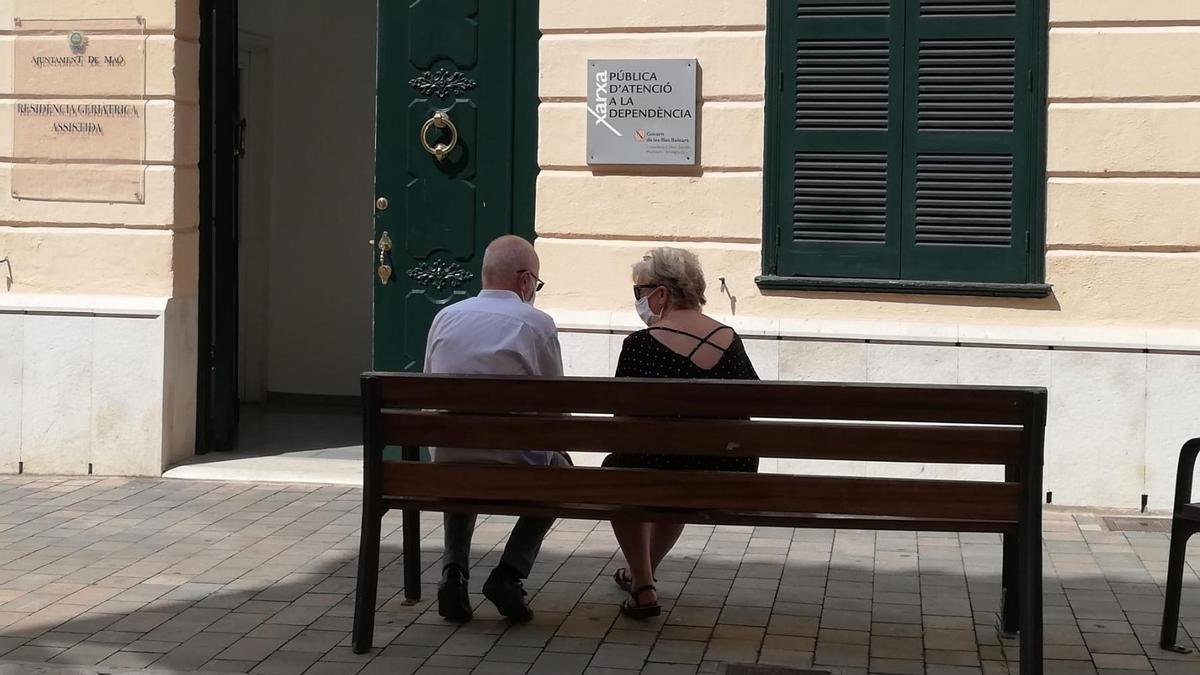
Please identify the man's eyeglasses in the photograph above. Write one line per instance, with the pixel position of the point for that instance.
(540, 284)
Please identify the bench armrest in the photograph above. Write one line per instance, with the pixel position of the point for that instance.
(1187, 468)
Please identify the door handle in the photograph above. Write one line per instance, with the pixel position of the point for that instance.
(385, 247)
(441, 120)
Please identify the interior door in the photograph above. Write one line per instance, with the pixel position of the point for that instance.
(444, 161)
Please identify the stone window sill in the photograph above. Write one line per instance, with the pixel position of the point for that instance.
(778, 283)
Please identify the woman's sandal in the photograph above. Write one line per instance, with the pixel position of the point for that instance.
(623, 580)
(634, 610)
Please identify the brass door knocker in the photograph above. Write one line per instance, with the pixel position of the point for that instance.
(441, 120)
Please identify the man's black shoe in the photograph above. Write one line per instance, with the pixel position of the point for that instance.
(503, 587)
(454, 602)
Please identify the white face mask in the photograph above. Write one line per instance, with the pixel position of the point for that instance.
(647, 315)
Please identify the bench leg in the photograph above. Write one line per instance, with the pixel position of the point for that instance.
(412, 555)
(1180, 533)
(1029, 544)
(1031, 606)
(1010, 602)
(1009, 579)
(368, 579)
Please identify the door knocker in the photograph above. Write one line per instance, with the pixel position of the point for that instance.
(441, 120)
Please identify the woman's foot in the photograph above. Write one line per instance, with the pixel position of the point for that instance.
(623, 580)
(642, 603)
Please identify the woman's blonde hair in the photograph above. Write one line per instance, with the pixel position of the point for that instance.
(677, 270)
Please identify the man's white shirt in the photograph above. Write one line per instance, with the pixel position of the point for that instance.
(494, 333)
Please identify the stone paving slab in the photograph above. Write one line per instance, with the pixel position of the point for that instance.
(173, 576)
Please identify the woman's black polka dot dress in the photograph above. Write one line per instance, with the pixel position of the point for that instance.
(644, 356)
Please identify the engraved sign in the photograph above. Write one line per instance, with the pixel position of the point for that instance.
(642, 111)
(79, 129)
(78, 114)
(107, 65)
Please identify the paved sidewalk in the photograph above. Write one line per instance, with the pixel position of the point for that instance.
(178, 576)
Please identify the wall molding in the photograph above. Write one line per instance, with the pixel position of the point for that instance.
(1075, 337)
(84, 305)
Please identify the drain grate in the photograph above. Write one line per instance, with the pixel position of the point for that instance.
(769, 670)
(1137, 524)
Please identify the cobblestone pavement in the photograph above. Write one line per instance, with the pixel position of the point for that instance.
(98, 575)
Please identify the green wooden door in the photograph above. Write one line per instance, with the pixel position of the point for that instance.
(447, 67)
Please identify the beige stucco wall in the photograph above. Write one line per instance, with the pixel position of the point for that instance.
(1117, 344)
(134, 248)
(99, 313)
(1123, 236)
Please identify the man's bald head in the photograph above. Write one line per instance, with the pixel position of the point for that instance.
(504, 261)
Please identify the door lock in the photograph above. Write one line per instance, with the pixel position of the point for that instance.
(381, 204)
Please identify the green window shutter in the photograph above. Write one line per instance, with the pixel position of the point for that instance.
(968, 155)
(841, 131)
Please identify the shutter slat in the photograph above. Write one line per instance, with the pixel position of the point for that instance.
(859, 215)
(961, 212)
(826, 70)
(978, 77)
(947, 8)
(842, 8)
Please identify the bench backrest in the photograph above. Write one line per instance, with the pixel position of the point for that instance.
(893, 423)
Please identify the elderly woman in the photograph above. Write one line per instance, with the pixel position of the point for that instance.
(679, 342)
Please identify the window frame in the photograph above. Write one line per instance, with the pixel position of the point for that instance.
(777, 123)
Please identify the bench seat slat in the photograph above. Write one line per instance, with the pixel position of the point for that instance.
(1190, 511)
(701, 490)
(713, 399)
(953, 445)
(757, 519)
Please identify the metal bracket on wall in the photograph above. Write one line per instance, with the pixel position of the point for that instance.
(8, 278)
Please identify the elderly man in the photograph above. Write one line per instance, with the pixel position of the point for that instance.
(497, 332)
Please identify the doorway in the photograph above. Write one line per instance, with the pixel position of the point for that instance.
(299, 298)
(255, 154)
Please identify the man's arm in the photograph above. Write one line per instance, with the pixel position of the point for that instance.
(548, 363)
(550, 357)
(430, 340)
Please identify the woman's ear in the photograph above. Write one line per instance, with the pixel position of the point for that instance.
(662, 299)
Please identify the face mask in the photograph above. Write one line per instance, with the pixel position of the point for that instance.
(647, 315)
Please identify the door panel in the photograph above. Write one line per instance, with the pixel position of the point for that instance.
(454, 58)
(217, 388)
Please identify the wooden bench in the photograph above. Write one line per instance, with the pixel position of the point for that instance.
(950, 425)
